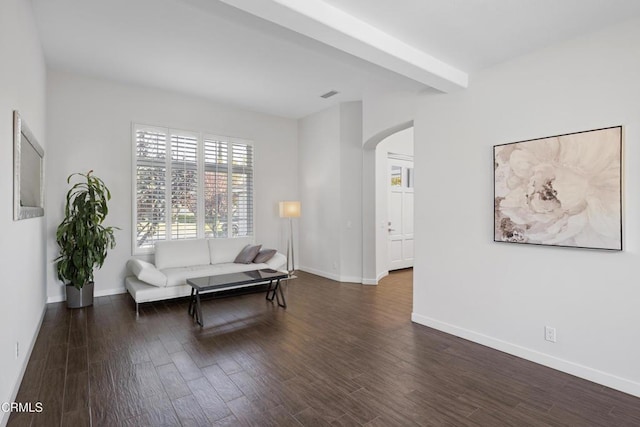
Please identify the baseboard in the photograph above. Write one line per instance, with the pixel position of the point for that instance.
(107, 292)
(350, 279)
(376, 280)
(56, 298)
(585, 372)
(102, 293)
(16, 387)
(332, 276)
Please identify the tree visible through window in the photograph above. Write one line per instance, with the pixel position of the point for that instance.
(190, 185)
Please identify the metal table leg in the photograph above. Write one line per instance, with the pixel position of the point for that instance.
(191, 306)
(278, 287)
(270, 291)
(198, 309)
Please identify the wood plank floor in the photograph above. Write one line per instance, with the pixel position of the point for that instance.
(340, 354)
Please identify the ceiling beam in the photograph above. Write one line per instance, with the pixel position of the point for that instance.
(334, 27)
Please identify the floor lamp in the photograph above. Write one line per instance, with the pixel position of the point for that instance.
(290, 210)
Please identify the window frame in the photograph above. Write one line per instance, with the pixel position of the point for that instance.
(200, 192)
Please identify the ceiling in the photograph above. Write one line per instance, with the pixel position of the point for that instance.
(279, 56)
(476, 34)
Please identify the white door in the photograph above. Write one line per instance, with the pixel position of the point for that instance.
(400, 211)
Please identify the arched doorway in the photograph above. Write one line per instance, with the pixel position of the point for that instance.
(394, 201)
(374, 256)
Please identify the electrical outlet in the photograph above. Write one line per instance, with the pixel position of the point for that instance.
(17, 349)
(550, 334)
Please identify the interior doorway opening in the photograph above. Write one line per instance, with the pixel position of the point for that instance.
(376, 186)
(399, 188)
(394, 201)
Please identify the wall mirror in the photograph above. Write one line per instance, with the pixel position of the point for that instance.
(28, 172)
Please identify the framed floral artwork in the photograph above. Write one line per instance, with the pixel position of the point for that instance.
(562, 190)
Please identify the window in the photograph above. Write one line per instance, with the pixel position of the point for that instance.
(190, 185)
(396, 176)
(410, 178)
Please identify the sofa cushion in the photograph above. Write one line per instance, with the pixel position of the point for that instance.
(226, 250)
(181, 253)
(147, 272)
(277, 262)
(264, 255)
(232, 267)
(247, 254)
(143, 292)
(178, 276)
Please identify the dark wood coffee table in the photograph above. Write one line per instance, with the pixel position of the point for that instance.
(225, 282)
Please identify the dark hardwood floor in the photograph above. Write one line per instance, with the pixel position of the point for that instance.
(340, 354)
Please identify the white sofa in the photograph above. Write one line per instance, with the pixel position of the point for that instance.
(179, 260)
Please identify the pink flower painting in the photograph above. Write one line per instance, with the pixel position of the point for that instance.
(561, 191)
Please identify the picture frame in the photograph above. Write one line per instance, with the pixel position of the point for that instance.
(563, 190)
(28, 172)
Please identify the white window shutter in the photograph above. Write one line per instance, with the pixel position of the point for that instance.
(242, 189)
(188, 185)
(150, 187)
(216, 183)
(184, 186)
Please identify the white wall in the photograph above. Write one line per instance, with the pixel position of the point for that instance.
(385, 108)
(350, 188)
(330, 160)
(22, 248)
(89, 127)
(398, 143)
(319, 166)
(503, 295)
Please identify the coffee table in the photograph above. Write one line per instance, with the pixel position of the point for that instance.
(225, 282)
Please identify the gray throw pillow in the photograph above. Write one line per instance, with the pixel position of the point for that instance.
(247, 254)
(264, 256)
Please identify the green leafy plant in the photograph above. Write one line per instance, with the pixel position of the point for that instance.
(81, 237)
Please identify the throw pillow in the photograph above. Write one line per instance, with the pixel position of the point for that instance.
(147, 272)
(247, 254)
(264, 256)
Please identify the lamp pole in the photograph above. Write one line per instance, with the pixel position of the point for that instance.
(290, 245)
(290, 209)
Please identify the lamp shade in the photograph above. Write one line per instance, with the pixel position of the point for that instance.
(289, 209)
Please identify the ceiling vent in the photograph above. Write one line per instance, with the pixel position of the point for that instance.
(329, 94)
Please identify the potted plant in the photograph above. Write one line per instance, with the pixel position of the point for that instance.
(82, 239)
